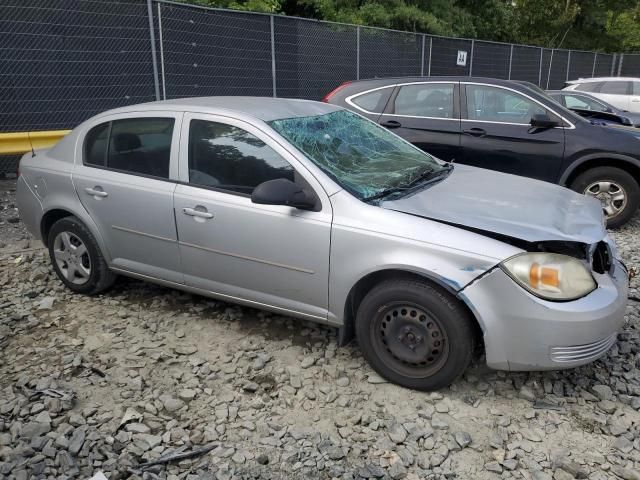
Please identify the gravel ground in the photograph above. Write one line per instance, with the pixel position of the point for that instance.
(115, 382)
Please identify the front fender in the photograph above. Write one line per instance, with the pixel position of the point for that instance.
(597, 156)
(355, 254)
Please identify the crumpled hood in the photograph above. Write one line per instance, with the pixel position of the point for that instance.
(509, 205)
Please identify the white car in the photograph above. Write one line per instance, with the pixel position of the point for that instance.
(621, 92)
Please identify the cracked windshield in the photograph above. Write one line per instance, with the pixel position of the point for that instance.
(362, 157)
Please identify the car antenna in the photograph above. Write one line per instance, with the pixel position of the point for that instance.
(33, 152)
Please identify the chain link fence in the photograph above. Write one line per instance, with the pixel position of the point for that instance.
(63, 61)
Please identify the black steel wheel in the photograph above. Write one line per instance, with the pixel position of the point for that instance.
(415, 334)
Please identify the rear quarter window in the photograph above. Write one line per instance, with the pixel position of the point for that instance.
(616, 87)
(373, 101)
(95, 145)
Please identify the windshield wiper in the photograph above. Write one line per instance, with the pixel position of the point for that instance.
(431, 175)
(385, 193)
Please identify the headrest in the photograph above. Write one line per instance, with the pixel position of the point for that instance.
(125, 141)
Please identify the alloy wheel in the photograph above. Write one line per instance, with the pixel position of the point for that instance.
(611, 195)
(72, 258)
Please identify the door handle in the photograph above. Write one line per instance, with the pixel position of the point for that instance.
(197, 213)
(96, 192)
(635, 99)
(475, 132)
(391, 124)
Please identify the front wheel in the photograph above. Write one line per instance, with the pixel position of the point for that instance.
(415, 334)
(616, 189)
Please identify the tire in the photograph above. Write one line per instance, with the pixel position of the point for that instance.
(621, 184)
(87, 273)
(443, 340)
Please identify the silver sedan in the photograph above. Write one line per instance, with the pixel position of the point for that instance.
(309, 210)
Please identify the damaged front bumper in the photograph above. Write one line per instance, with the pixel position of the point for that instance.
(524, 332)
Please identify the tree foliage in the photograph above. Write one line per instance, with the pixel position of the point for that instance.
(601, 25)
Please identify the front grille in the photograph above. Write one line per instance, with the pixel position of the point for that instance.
(601, 258)
(589, 351)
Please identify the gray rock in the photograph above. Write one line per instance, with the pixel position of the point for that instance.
(250, 387)
(603, 392)
(172, 404)
(397, 433)
(463, 439)
(77, 440)
(625, 473)
(623, 444)
(540, 475)
(527, 393)
(186, 349)
(342, 381)
(397, 471)
(262, 459)
(493, 467)
(186, 394)
(375, 379)
(307, 362)
(560, 474)
(439, 421)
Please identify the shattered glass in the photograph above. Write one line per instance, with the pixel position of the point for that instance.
(359, 155)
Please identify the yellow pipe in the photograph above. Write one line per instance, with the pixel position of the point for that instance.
(21, 142)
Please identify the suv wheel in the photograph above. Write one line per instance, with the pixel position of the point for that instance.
(76, 257)
(616, 189)
(415, 334)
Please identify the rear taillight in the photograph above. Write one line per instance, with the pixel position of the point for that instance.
(328, 96)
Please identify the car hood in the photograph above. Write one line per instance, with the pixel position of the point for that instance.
(509, 205)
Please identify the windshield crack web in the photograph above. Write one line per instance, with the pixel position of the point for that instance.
(361, 156)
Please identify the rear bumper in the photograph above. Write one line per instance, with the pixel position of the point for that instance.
(29, 207)
(524, 332)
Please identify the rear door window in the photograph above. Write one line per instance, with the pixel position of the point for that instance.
(141, 145)
(616, 87)
(133, 145)
(434, 100)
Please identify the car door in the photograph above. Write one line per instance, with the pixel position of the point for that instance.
(616, 92)
(634, 104)
(496, 133)
(125, 180)
(265, 255)
(426, 114)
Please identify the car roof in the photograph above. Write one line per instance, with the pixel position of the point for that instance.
(392, 80)
(603, 79)
(263, 108)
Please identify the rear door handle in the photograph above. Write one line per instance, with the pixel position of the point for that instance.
(475, 132)
(197, 213)
(96, 192)
(391, 124)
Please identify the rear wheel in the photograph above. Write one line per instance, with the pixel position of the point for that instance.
(415, 334)
(616, 189)
(76, 257)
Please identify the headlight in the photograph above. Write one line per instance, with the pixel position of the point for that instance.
(550, 275)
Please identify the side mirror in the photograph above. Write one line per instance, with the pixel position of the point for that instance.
(542, 120)
(283, 192)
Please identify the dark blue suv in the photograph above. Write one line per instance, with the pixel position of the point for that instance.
(509, 126)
